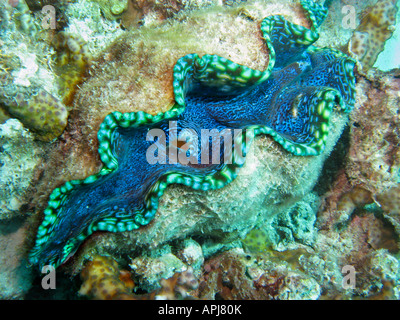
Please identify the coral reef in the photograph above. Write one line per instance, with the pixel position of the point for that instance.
(287, 229)
(372, 163)
(298, 273)
(133, 13)
(154, 11)
(296, 225)
(354, 237)
(236, 275)
(103, 280)
(151, 267)
(85, 19)
(160, 264)
(179, 286)
(357, 222)
(374, 155)
(375, 28)
(41, 68)
(341, 202)
(364, 240)
(366, 244)
(72, 62)
(28, 91)
(191, 254)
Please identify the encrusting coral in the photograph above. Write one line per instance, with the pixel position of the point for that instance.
(15, 278)
(234, 275)
(71, 63)
(24, 76)
(358, 220)
(149, 269)
(36, 108)
(149, 12)
(19, 157)
(372, 163)
(112, 9)
(42, 113)
(287, 229)
(376, 26)
(374, 154)
(28, 90)
(103, 280)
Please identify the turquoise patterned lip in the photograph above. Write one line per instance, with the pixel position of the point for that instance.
(291, 101)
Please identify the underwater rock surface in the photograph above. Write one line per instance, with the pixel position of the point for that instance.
(15, 278)
(19, 156)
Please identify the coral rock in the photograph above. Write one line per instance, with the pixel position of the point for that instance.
(27, 88)
(71, 62)
(42, 113)
(15, 277)
(376, 27)
(179, 286)
(112, 9)
(151, 269)
(235, 275)
(103, 280)
(374, 155)
(390, 204)
(19, 157)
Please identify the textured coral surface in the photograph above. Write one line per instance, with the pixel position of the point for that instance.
(103, 280)
(19, 156)
(376, 26)
(374, 155)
